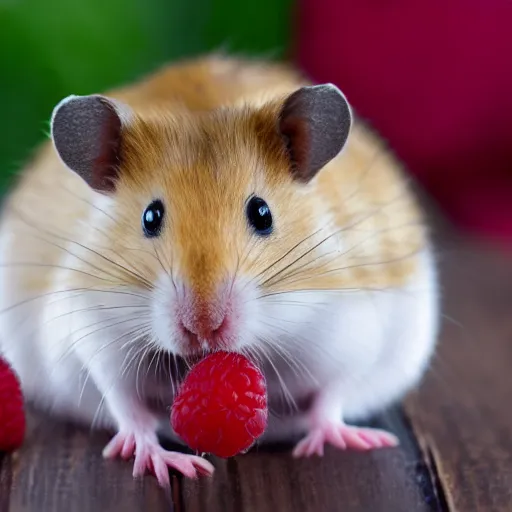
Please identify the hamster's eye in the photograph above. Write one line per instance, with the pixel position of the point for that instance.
(259, 216)
(152, 218)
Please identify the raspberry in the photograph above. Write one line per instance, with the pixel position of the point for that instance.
(12, 416)
(221, 406)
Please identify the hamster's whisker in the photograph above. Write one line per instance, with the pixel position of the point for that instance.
(23, 320)
(131, 249)
(306, 344)
(69, 350)
(140, 349)
(253, 242)
(171, 376)
(94, 308)
(295, 368)
(137, 373)
(303, 255)
(142, 330)
(133, 335)
(340, 290)
(298, 303)
(129, 317)
(135, 347)
(117, 265)
(130, 267)
(68, 297)
(117, 221)
(48, 265)
(237, 268)
(337, 255)
(157, 255)
(99, 408)
(357, 222)
(279, 348)
(172, 270)
(159, 362)
(118, 376)
(289, 401)
(286, 392)
(92, 205)
(281, 258)
(297, 362)
(295, 271)
(41, 296)
(101, 308)
(156, 356)
(245, 254)
(252, 354)
(126, 248)
(306, 290)
(373, 263)
(176, 370)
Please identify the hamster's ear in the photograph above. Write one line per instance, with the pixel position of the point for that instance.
(315, 122)
(86, 132)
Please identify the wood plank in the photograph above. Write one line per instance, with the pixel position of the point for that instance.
(5, 482)
(388, 480)
(60, 468)
(462, 415)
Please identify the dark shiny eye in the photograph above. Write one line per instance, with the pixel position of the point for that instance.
(259, 216)
(152, 218)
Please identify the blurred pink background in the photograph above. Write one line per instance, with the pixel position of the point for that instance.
(435, 78)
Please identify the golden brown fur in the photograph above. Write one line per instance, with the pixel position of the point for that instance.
(204, 137)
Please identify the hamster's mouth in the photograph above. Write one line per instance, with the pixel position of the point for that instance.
(191, 340)
(193, 349)
(193, 358)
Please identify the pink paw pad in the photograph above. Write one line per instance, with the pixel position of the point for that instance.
(150, 456)
(343, 437)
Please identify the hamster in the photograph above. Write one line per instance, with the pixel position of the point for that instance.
(216, 204)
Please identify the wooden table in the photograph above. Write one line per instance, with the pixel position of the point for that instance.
(456, 434)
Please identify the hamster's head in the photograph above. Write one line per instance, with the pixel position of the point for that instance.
(204, 211)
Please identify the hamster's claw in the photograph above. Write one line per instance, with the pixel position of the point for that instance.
(343, 437)
(158, 460)
(149, 455)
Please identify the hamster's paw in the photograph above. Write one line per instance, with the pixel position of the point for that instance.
(149, 455)
(343, 437)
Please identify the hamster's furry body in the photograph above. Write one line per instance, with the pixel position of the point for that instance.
(338, 303)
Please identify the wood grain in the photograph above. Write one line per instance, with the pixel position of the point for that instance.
(462, 415)
(389, 480)
(456, 434)
(5, 482)
(60, 468)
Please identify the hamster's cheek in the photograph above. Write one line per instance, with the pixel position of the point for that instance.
(265, 317)
(163, 314)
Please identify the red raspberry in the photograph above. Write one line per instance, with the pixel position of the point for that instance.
(12, 416)
(221, 407)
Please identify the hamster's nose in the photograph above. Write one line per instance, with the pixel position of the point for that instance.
(204, 328)
(209, 322)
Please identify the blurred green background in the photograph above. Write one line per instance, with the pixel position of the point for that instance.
(52, 48)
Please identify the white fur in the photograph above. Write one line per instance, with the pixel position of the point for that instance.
(358, 351)
(365, 350)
